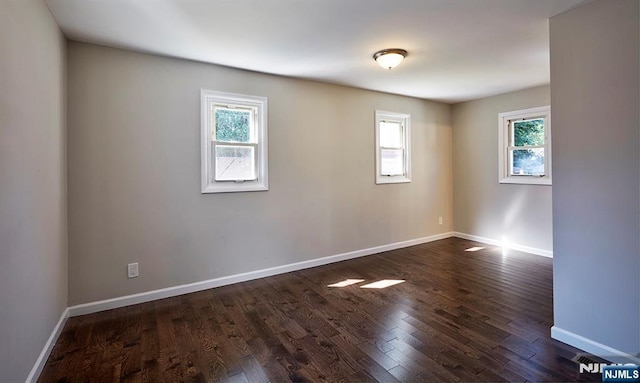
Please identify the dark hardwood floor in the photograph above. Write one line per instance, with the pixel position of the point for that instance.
(459, 317)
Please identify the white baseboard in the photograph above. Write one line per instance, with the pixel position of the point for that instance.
(593, 347)
(46, 351)
(92, 307)
(495, 242)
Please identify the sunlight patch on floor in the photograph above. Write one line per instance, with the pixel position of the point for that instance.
(382, 284)
(476, 248)
(346, 282)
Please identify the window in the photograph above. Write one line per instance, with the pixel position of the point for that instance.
(393, 156)
(525, 146)
(234, 142)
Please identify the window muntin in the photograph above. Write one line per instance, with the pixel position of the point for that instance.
(234, 147)
(392, 147)
(525, 146)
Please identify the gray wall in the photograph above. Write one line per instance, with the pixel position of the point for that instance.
(596, 164)
(484, 207)
(33, 232)
(134, 168)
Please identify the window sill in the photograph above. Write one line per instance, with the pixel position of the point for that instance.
(392, 180)
(233, 187)
(526, 180)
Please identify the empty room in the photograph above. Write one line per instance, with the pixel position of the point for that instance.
(319, 191)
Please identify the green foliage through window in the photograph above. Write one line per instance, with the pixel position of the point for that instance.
(232, 125)
(528, 133)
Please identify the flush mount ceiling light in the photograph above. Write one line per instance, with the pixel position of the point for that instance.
(389, 58)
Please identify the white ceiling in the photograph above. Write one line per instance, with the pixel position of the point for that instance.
(458, 49)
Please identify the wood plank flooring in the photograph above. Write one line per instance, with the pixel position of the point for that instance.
(460, 317)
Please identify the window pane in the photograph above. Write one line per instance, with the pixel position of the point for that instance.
(235, 163)
(392, 162)
(528, 132)
(232, 125)
(527, 162)
(390, 134)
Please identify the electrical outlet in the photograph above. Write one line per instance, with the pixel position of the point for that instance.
(440, 220)
(132, 270)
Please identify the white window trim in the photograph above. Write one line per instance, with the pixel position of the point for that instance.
(503, 145)
(405, 120)
(208, 184)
